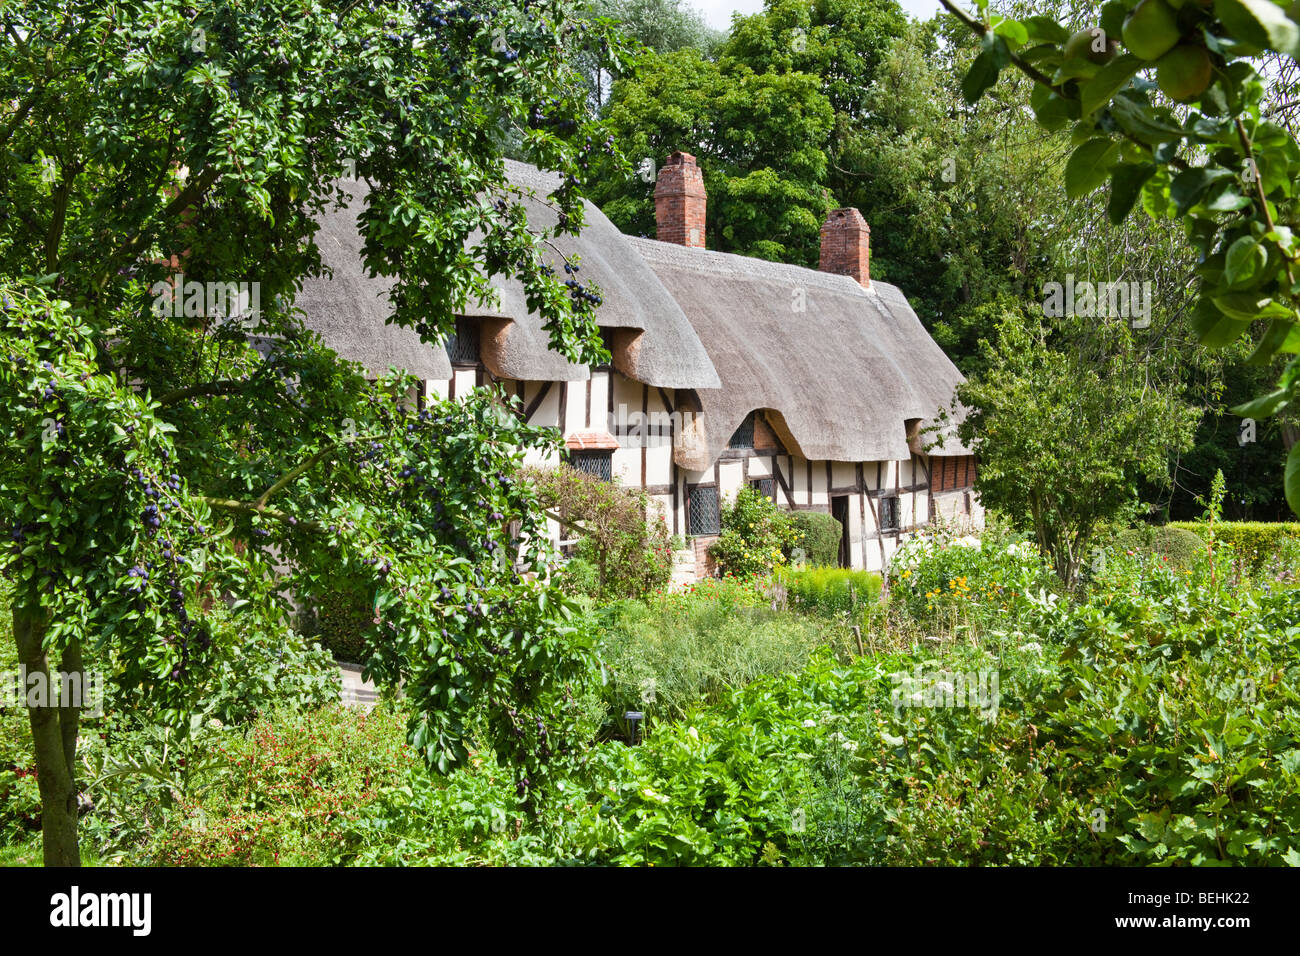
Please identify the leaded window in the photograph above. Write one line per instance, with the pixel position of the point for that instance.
(744, 435)
(596, 463)
(462, 347)
(889, 514)
(764, 486)
(704, 516)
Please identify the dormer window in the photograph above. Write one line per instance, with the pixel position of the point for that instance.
(743, 437)
(462, 346)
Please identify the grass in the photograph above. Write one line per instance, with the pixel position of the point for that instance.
(29, 854)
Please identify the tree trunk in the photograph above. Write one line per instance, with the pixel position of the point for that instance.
(54, 734)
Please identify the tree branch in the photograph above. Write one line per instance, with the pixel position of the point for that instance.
(178, 395)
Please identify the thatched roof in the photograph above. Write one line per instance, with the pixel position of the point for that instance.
(350, 310)
(655, 343)
(841, 380)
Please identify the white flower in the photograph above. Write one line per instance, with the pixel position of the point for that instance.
(850, 745)
(892, 740)
(837, 736)
(917, 698)
(969, 541)
(945, 686)
(1033, 646)
(810, 723)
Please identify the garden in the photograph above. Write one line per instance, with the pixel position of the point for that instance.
(1150, 716)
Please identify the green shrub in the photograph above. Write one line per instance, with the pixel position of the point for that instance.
(834, 592)
(1255, 542)
(756, 535)
(288, 790)
(679, 649)
(622, 538)
(819, 536)
(1178, 546)
(940, 580)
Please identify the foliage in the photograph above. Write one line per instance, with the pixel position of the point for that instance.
(1196, 146)
(1181, 546)
(1255, 542)
(339, 619)
(756, 535)
(1097, 392)
(629, 550)
(940, 580)
(151, 459)
(676, 650)
(820, 535)
(834, 592)
(755, 135)
(293, 786)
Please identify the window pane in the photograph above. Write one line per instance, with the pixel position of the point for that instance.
(593, 463)
(462, 348)
(744, 436)
(704, 517)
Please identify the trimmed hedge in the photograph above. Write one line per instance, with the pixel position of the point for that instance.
(1256, 542)
(821, 537)
(1179, 545)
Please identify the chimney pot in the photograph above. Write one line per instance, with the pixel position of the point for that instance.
(680, 202)
(846, 245)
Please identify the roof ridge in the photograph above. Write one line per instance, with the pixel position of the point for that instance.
(712, 260)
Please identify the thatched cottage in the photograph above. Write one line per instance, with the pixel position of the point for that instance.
(814, 386)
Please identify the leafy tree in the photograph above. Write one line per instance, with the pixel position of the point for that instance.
(662, 26)
(1064, 429)
(155, 459)
(757, 138)
(1167, 106)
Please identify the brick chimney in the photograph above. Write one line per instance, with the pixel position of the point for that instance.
(680, 201)
(846, 245)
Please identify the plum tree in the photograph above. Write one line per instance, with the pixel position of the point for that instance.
(1222, 166)
(152, 463)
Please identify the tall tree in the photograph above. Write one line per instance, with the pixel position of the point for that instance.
(1167, 106)
(151, 458)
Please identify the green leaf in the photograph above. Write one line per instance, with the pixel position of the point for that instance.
(1143, 123)
(1246, 257)
(1247, 307)
(1126, 185)
(1110, 79)
(1052, 111)
(1013, 30)
(981, 77)
(1089, 166)
(1283, 335)
(1214, 329)
(1260, 24)
(1264, 406)
(1045, 30)
(1190, 185)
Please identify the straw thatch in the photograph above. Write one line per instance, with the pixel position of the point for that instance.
(655, 342)
(350, 310)
(842, 370)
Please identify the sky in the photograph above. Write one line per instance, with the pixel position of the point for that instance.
(718, 12)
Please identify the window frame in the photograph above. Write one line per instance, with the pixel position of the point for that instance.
(691, 490)
(606, 456)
